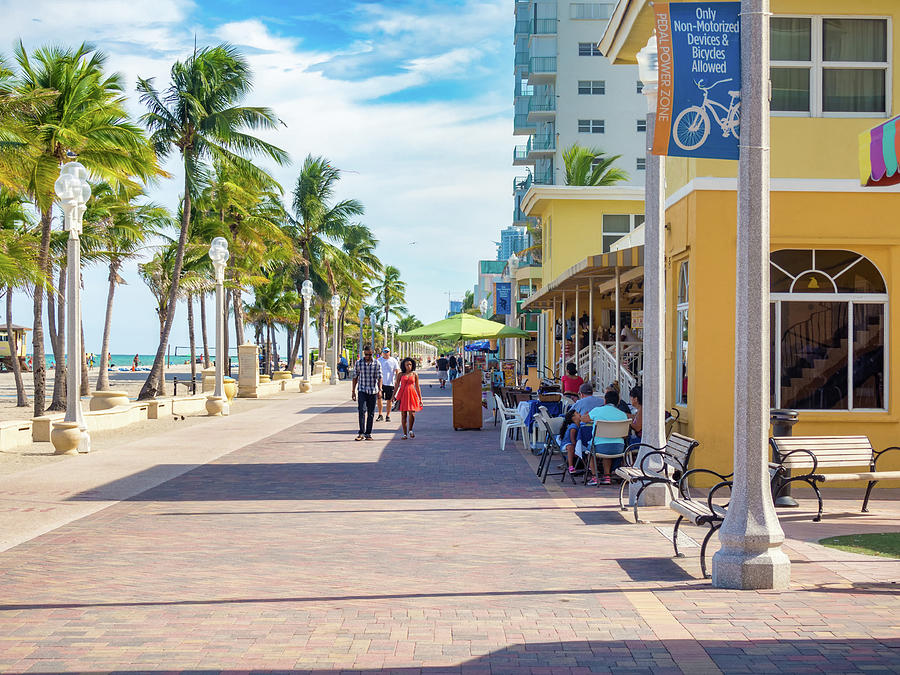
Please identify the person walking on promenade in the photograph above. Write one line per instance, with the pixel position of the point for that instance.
(389, 369)
(366, 377)
(453, 367)
(409, 395)
(442, 366)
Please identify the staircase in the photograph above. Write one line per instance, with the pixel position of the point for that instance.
(814, 356)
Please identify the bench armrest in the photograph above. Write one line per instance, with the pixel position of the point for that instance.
(712, 494)
(684, 489)
(631, 453)
(876, 455)
(803, 451)
(663, 470)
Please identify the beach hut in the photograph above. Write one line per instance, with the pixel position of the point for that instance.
(19, 336)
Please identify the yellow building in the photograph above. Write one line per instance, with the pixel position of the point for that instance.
(835, 261)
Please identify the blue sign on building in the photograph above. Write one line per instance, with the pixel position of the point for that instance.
(502, 297)
(699, 102)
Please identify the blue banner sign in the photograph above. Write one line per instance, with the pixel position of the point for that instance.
(502, 297)
(698, 112)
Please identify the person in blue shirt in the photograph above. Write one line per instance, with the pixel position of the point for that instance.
(607, 446)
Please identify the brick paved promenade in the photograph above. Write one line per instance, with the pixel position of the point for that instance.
(306, 551)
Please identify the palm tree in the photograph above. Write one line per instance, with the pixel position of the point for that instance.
(126, 228)
(274, 302)
(315, 224)
(198, 115)
(85, 116)
(468, 300)
(18, 266)
(391, 293)
(590, 166)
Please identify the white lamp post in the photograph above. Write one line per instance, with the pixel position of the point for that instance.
(372, 326)
(73, 191)
(219, 255)
(362, 322)
(306, 290)
(335, 307)
(654, 276)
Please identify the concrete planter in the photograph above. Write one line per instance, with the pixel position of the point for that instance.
(65, 437)
(265, 378)
(305, 386)
(282, 375)
(215, 405)
(104, 400)
(230, 388)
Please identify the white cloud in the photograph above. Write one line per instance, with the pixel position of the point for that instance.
(437, 173)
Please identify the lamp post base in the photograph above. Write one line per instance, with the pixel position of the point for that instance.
(216, 405)
(750, 570)
(305, 386)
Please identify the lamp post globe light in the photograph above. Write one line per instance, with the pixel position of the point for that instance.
(217, 403)
(483, 306)
(73, 191)
(306, 291)
(335, 308)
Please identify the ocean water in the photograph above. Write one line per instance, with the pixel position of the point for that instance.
(117, 360)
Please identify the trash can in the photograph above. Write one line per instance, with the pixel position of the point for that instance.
(783, 422)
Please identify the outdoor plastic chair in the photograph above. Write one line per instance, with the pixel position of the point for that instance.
(605, 429)
(510, 420)
(552, 427)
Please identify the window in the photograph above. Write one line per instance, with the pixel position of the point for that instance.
(828, 317)
(591, 126)
(829, 65)
(588, 49)
(617, 226)
(640, 87)
(681, 336)
(642, 125)
(641, 163)
(591, 10)
(592, 87)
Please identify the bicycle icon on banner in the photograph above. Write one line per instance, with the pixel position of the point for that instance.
(692, 124)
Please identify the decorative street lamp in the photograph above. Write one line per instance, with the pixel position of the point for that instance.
(73, 191)
(219, 255)
(306, 290)
(372, 326)
(362, 322)
(483, 306)
(336, 307)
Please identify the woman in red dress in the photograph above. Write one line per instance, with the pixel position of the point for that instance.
(409, 395)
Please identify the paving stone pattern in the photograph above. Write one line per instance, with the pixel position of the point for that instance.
(310, 552)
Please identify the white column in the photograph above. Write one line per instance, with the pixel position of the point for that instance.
(591, 329)
(751, 556)
(575, 336)
(562, 335)
(618, 328)
(654, 380)
(73, 337)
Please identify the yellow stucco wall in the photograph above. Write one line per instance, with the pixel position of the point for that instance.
(576, 229)
(701, 229)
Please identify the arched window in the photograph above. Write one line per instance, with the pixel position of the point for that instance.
(828, 318)
(681, 337)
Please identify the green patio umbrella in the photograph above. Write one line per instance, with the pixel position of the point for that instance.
(464, 327)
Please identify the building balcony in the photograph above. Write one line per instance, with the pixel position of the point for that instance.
(523, 28)
(522, 126)
(522, 59)
(544, 177)
(541, 108)
(520, 156)
(543, 27)
(541, 69)
(521, 183)
(543, 145)
(521, 220)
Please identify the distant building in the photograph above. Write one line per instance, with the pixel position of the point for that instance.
(455, 307)
(513, 239)
(489, 272)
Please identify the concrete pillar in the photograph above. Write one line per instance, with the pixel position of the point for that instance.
(591, 329)
(751, 556)
(618, 327)
(248, 371)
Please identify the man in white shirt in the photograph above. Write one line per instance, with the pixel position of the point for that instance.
(389, 369)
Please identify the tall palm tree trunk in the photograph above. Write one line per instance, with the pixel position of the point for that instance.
(190, 318)
(225, 336)
(21, 398)
(290, 340)
(203, 330)
(39, 360)
(323, 334)
(154, 385)
(268, 349)
(57, 333)
(298, 340)
(238, 316)
(103, 375)
(275, 359)
(85, 389)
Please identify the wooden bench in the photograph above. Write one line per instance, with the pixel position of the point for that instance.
(663, 466)
(828, 452)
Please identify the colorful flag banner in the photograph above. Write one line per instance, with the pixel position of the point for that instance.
(502, 297)
(698, 111)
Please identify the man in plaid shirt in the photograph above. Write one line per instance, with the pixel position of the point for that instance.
(366, 377)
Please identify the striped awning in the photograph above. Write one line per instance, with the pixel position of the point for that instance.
(593, 269)
(879, 149)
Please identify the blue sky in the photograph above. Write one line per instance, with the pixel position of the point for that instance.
(411, 98)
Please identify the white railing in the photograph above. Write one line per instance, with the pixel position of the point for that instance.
(605, 368)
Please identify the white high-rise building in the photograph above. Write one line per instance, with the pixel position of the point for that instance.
(566, 92)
